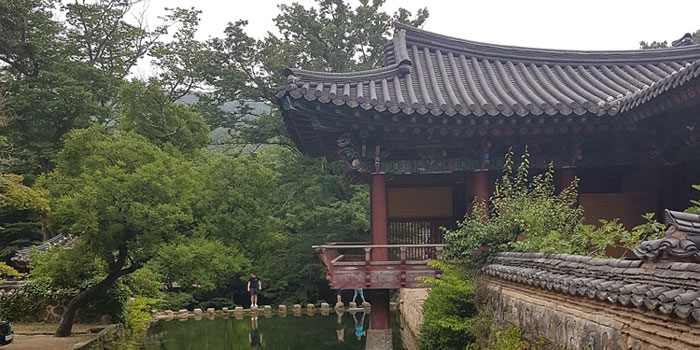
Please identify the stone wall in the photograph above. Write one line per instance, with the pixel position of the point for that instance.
(580, 303)
(411, 310)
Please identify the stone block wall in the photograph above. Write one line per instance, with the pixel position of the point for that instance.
(411, 314)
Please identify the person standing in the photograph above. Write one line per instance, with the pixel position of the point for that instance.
(254, 287)
(358, 291)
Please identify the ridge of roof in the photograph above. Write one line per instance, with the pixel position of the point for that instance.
(669, 287)
(519, 53)
(432, 74)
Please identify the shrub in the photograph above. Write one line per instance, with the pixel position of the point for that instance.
(216, 303)
(548, 222)
(520, 206)
(178, 300)
(451, 318)
(137, 320)
(8, 271)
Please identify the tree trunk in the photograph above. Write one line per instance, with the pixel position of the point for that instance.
(68, 317)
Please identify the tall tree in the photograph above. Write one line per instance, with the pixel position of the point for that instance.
(147, 110)
(62, 75)
(330, 36)
(122, 196)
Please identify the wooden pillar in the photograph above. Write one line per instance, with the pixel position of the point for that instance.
(379, 317)
(481, 186)
(668, 189)
(567, 175)
(379, 235)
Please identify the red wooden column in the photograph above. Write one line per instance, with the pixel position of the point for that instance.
(481, 186)
(669, 182)
(379, 325)
(379, 235)
(567, 175)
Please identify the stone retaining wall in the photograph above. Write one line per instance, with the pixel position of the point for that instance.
(581, 303)
(411, 309)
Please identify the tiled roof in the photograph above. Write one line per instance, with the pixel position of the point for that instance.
(682, 238)
(672, 288)
(22, 255)
(427, 73)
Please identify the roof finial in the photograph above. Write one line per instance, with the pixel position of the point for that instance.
(686, 40)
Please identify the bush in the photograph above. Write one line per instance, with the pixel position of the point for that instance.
(451, 318)
(178, 300)
(138, 317)
(506, 339)
(7, 271)
(217, 304)
(520, 206)
(548, 222)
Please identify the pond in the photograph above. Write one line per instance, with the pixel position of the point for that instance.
(331, 332)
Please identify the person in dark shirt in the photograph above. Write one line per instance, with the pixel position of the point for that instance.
(254, 287)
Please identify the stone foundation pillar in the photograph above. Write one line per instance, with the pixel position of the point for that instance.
(379, 339)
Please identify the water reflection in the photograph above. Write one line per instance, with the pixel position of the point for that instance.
(337, 331)
(255, 337)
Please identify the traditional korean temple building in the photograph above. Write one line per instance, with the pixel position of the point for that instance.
(429, 130)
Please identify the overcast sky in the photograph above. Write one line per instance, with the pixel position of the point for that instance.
(556, 24)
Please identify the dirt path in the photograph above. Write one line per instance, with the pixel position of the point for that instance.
(46, 342)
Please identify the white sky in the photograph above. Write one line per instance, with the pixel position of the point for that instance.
(556, 24)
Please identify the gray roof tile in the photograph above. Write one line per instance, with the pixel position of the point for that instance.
(428, 73)
(669, 287)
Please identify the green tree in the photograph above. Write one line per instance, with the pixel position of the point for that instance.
(313, 207)
(122, 196)
(330, 36)
(60, 75)
(147, 111)
(199, 264)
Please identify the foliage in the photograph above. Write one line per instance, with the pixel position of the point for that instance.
(521, 206)
(70, 269)
(147, 111)
(506, 339)
(62, 68)
(61, 273)
(122, 196)
(451, 317)
(313, 208)
(8, 271)
(231, 204)
(664, 44)
(695, 207)
(177, 300)
(199, 263)
(329, 36)
(137, 319)
(528, 215)
(15, 194)
(145, 282)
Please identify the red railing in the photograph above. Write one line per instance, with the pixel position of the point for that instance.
(350, 265)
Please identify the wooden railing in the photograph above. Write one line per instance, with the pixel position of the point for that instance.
(353, 264)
